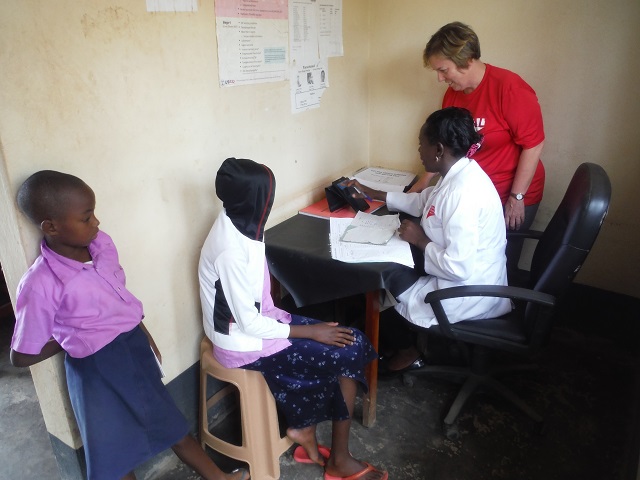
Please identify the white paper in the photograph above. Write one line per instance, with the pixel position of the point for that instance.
(303, 32)
(315, 30)
(369, 228)
(330, 28)
(253, 41)
(384, 179)
(396, 250)
(307, 85)
(172, 5)
(162, 375)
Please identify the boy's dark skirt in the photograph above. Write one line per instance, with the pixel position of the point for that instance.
(124, 412)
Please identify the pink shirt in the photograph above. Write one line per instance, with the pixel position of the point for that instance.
(83, 306)
(231, 359)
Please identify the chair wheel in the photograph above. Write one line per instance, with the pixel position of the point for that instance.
(451, 432)
(408, 380)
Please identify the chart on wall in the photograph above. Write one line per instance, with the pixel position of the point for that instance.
(315, 33)
(253, 41)
(273, 40)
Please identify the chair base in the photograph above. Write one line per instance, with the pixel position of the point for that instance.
(473, 381)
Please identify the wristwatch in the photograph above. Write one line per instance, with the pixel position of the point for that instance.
(517, 196)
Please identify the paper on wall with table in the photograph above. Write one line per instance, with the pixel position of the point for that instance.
(369, 228)
(395, 250)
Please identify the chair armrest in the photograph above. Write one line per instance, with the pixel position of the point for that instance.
(523, 234)
(505, 291)
(515, 293)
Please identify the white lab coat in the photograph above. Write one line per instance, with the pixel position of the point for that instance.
(462, 215)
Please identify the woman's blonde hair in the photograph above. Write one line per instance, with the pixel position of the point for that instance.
(456, 42)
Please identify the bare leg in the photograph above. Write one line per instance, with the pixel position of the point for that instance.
(306, 437)
(341, 463)
(189, 451)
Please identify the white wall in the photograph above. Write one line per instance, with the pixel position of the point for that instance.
(128, 101)
(580, 57)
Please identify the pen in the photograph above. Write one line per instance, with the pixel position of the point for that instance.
(363, 194)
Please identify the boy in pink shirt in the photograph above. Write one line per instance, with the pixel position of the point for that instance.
(74, 299)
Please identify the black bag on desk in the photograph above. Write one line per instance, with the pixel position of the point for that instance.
(338, 195)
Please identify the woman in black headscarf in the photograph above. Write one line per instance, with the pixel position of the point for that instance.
(312, 368)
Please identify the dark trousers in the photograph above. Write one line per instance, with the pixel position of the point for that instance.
(514, 247)
(395, 332)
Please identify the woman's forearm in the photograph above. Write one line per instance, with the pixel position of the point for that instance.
(527, 165)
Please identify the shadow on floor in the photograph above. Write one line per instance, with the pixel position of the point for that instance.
(25, 449)
(587, 388)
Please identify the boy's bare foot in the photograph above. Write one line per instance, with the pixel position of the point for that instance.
(306, 437)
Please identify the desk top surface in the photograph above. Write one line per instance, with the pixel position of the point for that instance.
(299, 256)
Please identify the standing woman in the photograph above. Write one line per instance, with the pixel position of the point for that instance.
(506, 113)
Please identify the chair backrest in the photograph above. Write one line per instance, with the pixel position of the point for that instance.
(566, 242)
(572, 231)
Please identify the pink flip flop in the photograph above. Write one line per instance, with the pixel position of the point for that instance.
(245, 473)
(360, 474)
(300, 454)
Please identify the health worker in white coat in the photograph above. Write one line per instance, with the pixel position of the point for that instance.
(461, 231)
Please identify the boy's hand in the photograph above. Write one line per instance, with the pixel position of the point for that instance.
(23, 360)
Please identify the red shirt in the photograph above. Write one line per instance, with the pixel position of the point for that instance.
(507, 113)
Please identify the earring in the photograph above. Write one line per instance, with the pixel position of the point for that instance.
(438, 158)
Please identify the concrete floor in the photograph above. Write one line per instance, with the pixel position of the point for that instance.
(586, 388)
(25, 450)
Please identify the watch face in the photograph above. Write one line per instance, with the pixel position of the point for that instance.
(519, 196)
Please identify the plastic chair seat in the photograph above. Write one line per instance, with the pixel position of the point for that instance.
(262, 444)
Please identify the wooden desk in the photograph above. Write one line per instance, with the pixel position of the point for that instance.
(299, 257)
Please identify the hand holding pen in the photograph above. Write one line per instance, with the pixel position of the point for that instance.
(362, 193)
(366, 192)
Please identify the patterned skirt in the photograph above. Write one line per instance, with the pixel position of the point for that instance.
(124, 412)
(304, 377)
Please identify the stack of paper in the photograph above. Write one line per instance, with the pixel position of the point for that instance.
(396, 250)
(384, 179)
(368, 228)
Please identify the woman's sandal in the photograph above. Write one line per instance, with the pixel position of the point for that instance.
(360, 474)
(245, 473)
(300, 454)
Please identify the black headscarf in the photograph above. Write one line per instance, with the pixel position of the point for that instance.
(247, 190)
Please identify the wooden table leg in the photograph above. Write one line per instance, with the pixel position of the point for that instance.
(372, 330)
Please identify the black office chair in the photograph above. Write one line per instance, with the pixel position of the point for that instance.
(561, 250)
